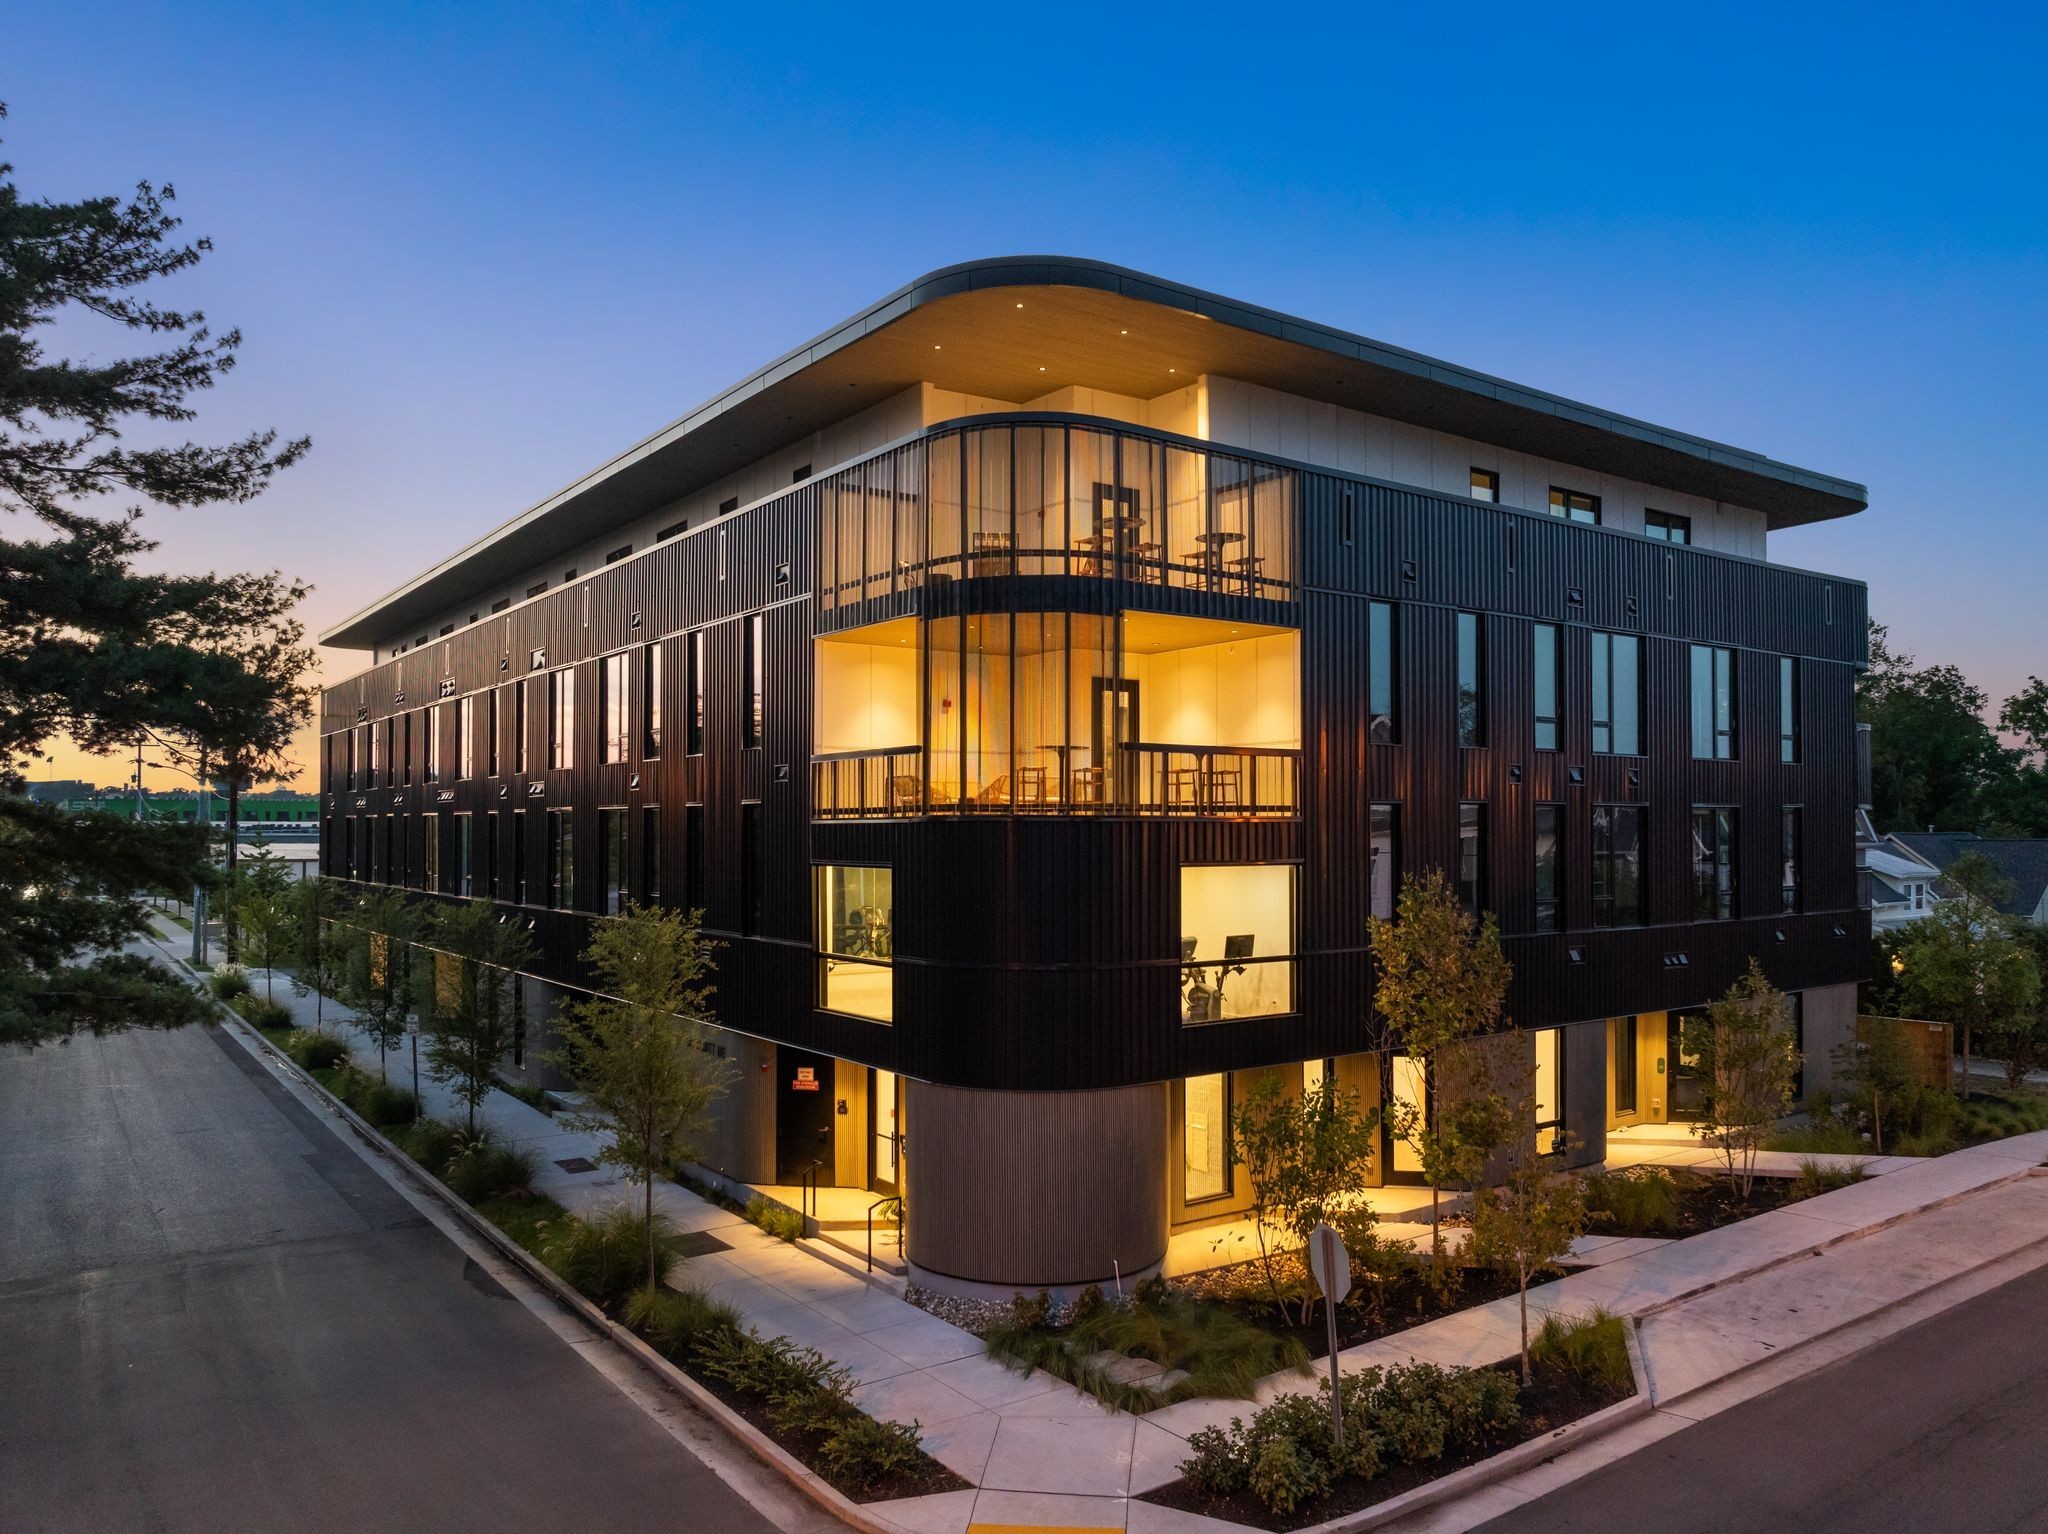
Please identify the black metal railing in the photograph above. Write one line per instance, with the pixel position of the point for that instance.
(1149, 778)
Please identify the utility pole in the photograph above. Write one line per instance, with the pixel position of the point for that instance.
(205, 809)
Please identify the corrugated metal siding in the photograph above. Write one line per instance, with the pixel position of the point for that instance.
(1043, 952)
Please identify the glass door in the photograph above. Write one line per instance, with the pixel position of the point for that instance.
(1407, 1087)
(884, 1114)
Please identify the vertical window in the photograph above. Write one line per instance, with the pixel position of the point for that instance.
(1788, 709)
(693, 857)
(561, 719)
(611, 708)
(487, 860)
(650, 702)
(1549, 867)
(1205, 1138)
(519, 725)
(1471, 695)
(465, 738)
(612, 859)
(1549, 1093)
(403, 745)
(694, 653)
(376, 751)
(1574, 505)
(750, 665)
(351, 740)
(1713, 702)
(561, 860)
(1714, 893)
(1666, 528)
(1485, 485)
(751, 882)
(519, 1022)
(1617, 865)
(491, 732)
(464, 851)
(519, 856)
(1385, 873)
(1790, 880)
(650, 856)
(853, 918)
(1472, 857)
(430, 825)
(1617, 694)
(1380, 660)
(1545, 686)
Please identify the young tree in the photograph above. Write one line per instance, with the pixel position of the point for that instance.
(1747, 1067)
(1440, 980)
(636, 1049)
(473, 1013)
(1963, 963)
(381, 982)
(319, 947)
(1878, 1066)
(1528, 1223)
(92, 647)
(266, 917)
(1308, 1155)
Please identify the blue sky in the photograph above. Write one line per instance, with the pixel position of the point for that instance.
(477, 250)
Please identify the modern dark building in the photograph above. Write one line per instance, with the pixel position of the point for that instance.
(1039, 679)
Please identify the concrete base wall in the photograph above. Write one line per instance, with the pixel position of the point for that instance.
(1828, 1021)
(1034, 1190)
(740, 1139)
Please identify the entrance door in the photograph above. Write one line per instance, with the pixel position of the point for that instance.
(803, 1116)
(1407, 1087)
(1621, 1052)
(882, 1113)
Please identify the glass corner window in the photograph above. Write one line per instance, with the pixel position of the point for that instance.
(855, 914)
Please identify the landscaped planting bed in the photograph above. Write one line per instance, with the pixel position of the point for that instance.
(1674, 1202)
(1404, 1427)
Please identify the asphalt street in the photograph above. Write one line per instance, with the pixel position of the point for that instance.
(215, 1316)
(1941, 1427)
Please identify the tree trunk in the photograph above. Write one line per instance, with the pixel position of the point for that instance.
(1966, 1059)
(1528, 1378)
(650, 1223)
(1877, 1122)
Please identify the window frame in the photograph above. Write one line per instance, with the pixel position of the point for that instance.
(1382, 673)
(1488, 479)
(614, 732)
(1606, 861)
(1546, 730)
(1790, 711)
(1605, 693)
(1471, 683)
(1554, 813)
(1717, 896)
(1562, 506)
(1472, 813)
(1661, 525)
(824, 955)
(1720, 710)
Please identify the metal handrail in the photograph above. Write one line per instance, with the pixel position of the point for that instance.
(807, 1199)
(897, 1200)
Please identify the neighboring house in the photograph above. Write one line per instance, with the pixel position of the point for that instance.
(1041, 678)
(1901, 883)
(2022, 859)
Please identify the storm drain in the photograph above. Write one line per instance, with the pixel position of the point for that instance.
(577, 1164)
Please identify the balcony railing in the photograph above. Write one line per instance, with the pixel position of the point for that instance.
(1152, 779)
(859, 785)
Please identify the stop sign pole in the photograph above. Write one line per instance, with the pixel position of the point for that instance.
(1330, 1265)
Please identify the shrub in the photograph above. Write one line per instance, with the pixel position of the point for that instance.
(1030, 1312)
(1411, 1423)
(679, 1322)
(782, 1223)
(261, 1011)
(431, 1143)
(861, 1453)
(1216, 1468)
(1592, 1348)
(1826, 1135)
(384, 1105)
(315, 1051)
(1286, 1455)
(1817, 1176)
(1479, 1405)
(770, 1368)
(1642, 1201)
(490, 1171)
(1284, 1475)
(604, 1257)
(228, 982)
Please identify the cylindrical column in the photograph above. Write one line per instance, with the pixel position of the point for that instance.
(1034, 1190)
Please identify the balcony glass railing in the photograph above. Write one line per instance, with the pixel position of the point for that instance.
(1055, 499)
(1220, 781)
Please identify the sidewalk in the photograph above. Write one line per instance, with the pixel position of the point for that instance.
(1041, 1454)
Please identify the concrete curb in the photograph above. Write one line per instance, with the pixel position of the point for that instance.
(1887, 1308)
(764, 1448)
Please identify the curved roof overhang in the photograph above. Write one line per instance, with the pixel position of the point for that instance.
(1019, 327)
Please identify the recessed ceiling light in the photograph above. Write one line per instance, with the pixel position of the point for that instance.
(1123, 332)
(1173, 370)
(1041, 370)
(935, 346)
(1020, 306)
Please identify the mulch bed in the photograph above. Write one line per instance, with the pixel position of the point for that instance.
(1408, 1300)
(1558, 1397)
(929, 1477)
